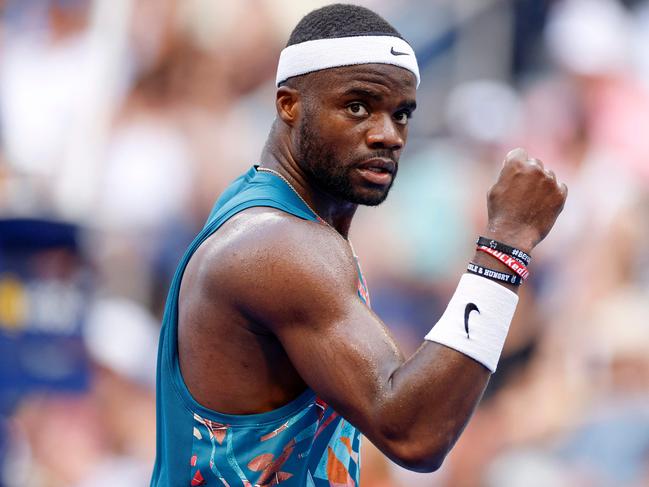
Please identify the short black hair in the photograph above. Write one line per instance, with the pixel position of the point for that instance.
(340, 20)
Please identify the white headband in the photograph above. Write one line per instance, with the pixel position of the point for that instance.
(310, 56)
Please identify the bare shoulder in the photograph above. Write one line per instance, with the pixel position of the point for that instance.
(269, 263)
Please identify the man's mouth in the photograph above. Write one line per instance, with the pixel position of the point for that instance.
(378, 171)
(379, 164)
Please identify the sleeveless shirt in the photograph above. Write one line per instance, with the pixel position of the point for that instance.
(303, 443)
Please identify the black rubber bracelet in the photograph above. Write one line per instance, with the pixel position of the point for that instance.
(494, 275)
(501, 247)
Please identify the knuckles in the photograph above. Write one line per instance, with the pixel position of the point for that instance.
(516, 156)
(521, 174)
(526, 194)
(532, 168)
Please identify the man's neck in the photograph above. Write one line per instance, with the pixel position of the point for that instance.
(278, 157)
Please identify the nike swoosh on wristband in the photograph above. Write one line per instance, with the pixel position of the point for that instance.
(397, 53)
(467, 311)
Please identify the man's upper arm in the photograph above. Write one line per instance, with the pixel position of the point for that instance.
(299, 280)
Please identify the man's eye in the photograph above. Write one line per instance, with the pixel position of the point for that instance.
(357, 109)
(402, 118)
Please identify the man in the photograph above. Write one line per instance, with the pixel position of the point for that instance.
(271, 362)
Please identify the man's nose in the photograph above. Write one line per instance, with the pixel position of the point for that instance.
(384, 133)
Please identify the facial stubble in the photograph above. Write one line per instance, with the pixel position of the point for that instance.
(331, 175)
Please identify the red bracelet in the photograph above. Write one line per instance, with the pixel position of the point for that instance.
(508, 260)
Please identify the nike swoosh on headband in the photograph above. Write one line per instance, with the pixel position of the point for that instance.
(397, 53)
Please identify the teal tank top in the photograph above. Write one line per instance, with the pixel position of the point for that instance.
(303, 443)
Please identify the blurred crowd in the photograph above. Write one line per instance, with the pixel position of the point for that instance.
(121, 121)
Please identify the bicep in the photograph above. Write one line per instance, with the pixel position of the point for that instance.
(346, 356)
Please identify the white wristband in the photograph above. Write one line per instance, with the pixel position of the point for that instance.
(476, 320)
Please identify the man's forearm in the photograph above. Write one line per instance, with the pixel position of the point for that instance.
(432, 395)
(427, 406)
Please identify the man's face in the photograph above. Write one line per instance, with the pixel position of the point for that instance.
(353, 126)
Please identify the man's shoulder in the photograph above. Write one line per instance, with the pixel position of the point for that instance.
(261, 227)
(267, 246)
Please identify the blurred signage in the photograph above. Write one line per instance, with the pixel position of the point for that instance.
(44, 293)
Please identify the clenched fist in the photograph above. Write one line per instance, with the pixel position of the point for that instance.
(525, 201)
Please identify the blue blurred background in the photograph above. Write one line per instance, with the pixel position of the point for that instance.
(122, 120)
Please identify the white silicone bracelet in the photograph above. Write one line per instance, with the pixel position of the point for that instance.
(476, 320)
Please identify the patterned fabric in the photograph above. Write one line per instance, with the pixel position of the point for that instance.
(304, 443)
(313, 446)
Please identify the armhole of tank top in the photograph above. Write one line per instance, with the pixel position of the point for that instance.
(172, 358)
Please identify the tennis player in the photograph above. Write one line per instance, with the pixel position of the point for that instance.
(271, 363)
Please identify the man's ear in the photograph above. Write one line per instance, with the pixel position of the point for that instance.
(288, 104)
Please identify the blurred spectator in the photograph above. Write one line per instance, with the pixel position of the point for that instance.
(46, 75)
